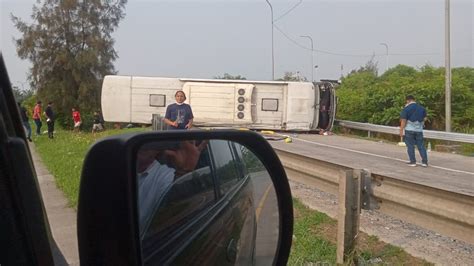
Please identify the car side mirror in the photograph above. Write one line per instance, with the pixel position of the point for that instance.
(184, 197)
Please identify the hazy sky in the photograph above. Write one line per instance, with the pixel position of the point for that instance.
(202, 39)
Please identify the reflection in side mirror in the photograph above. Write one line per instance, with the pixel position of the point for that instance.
(208, 202)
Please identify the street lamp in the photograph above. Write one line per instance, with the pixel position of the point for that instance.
(273, 57)
(386, 54)
(312, 50)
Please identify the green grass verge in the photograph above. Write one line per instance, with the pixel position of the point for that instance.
(314, 243)
(309, 246)
(64, 155)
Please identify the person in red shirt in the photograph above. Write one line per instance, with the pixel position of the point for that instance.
(37, 117)
(76, 117)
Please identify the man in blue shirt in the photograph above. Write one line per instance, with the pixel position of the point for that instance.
(412, 119)
(179, 115)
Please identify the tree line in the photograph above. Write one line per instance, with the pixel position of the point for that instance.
(70, 46)
(366, 97)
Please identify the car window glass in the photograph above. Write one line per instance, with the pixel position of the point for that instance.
(240, 151)
(226, 165)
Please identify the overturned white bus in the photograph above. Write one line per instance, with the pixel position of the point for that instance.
(276, 105)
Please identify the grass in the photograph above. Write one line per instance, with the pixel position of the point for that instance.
(308, 245)
(315, 236)
(64, 155)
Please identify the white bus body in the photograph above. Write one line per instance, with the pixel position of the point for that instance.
(277, 105)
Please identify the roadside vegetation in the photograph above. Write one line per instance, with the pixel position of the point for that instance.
(64, 155)
(314, 243)
(366, 97)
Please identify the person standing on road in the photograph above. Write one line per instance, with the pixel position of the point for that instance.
(50, 119)
(179, 115)
(24, 121)
(412, 120)
(76, 117)
(37, 117)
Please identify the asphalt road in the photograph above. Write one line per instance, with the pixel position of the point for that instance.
(446, 171)
(267, 218)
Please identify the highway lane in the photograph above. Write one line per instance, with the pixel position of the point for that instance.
(449, 172)
(267, 218)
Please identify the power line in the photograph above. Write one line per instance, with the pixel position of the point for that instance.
(316, 50)
(289, 10)
(352, 55)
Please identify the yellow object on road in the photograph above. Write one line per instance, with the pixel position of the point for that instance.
(288, 140)
(267, 132)
(401, 143)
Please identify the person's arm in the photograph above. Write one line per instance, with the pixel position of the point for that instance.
(170, 123)
(403, 123)
(191, 117)
(190, 124)
(46, 114)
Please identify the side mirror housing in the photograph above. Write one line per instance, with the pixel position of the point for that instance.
(128, 214)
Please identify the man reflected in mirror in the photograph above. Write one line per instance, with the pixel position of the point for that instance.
(159, 164)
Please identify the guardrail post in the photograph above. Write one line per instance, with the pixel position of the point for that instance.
(157, 122)
(367, 200)
(348, 216)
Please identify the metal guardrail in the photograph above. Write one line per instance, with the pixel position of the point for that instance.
(443, 211)
(429, 134)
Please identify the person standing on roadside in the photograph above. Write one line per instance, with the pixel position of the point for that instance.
(24, 121)
(50, 119)
(179, 115)
(76, 117)
(37, 117)
(97, 125)
(412, 120)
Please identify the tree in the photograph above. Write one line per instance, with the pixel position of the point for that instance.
(229, 76)
(21, 95)
(70, 46)
(290, 76)
(370, 67)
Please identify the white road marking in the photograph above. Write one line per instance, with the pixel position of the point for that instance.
(381, 156)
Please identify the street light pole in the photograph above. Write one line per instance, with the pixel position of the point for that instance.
(273, 56)
(386, 55)
(312, 50)
(447, 67)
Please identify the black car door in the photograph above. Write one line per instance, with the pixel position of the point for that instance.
(24, 231)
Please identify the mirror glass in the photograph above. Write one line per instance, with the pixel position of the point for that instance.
(205, 202)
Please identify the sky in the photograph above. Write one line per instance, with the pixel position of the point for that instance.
(207, 38)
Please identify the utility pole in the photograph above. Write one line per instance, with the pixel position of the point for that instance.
(273, 56)
(386, 55)
(312, 57)
(447, 67)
